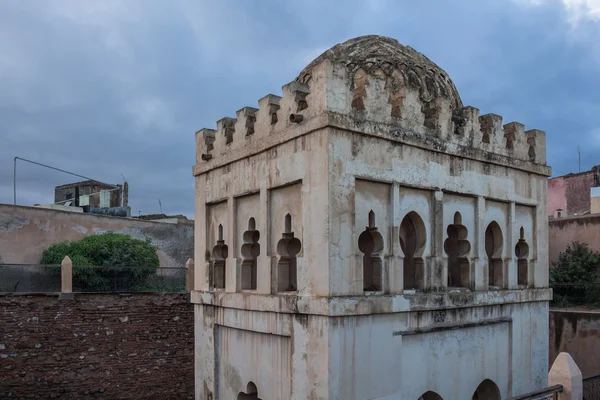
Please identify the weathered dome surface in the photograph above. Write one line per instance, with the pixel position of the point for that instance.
(374, 53)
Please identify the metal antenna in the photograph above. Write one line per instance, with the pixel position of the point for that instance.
(579, 155)
(160, 205)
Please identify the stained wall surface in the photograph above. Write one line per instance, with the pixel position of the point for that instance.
(577, 333)
(25, 232)
(399, 359)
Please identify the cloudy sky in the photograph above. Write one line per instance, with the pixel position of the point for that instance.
(104, 88)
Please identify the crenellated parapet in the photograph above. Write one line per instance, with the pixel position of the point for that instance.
(375, 85)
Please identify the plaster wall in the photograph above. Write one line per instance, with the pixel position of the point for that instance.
(563, 231)
(404, 355)
(577, 333)
(557, 199)
(284, 355)
(25, 232)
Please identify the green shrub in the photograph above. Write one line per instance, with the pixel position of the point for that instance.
(105, 261)
(577, 264)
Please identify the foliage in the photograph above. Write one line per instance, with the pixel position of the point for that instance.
(577, 264)
(106, 261)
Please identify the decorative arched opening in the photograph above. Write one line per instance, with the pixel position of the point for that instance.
(493, 249)
(522, 253)
(412, 242)
(219, 255)
(487, 390)
(370, 243)
(457, 247)
(429, 395)
(250, 252)
(250, 394)
(287, 248)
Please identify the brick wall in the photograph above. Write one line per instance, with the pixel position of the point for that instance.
(107, 346)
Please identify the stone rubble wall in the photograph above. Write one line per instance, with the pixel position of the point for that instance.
(107, 346)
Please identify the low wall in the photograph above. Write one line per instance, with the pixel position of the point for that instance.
(577, 333)
(25, 232)
(562, 231)
(108, 346)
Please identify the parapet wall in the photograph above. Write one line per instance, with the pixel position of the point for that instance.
(388, 96)
(576, 332)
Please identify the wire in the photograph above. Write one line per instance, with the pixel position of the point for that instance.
(54, 168)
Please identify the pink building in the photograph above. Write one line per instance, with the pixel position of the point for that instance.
(569, 194)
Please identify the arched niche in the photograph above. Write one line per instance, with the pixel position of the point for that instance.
(412, 241)
(522, 255)
(251, 393)
(218, 256)
(458, 247)
(494, 242)
(288, 248)
(359, 89)
(250, 251)
(370, 243)
(487, 390)
(429, 395)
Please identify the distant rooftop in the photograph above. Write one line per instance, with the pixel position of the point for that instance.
(89, 182)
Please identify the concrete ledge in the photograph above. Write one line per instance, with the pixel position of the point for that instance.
(365, 305)
(452, 327)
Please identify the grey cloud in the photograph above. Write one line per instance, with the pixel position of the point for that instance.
(121, 87)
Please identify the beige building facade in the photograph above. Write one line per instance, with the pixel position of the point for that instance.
(365, 235)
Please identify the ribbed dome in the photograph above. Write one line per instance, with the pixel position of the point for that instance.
(373, 52)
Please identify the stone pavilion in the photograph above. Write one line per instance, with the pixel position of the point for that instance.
(365, 235)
